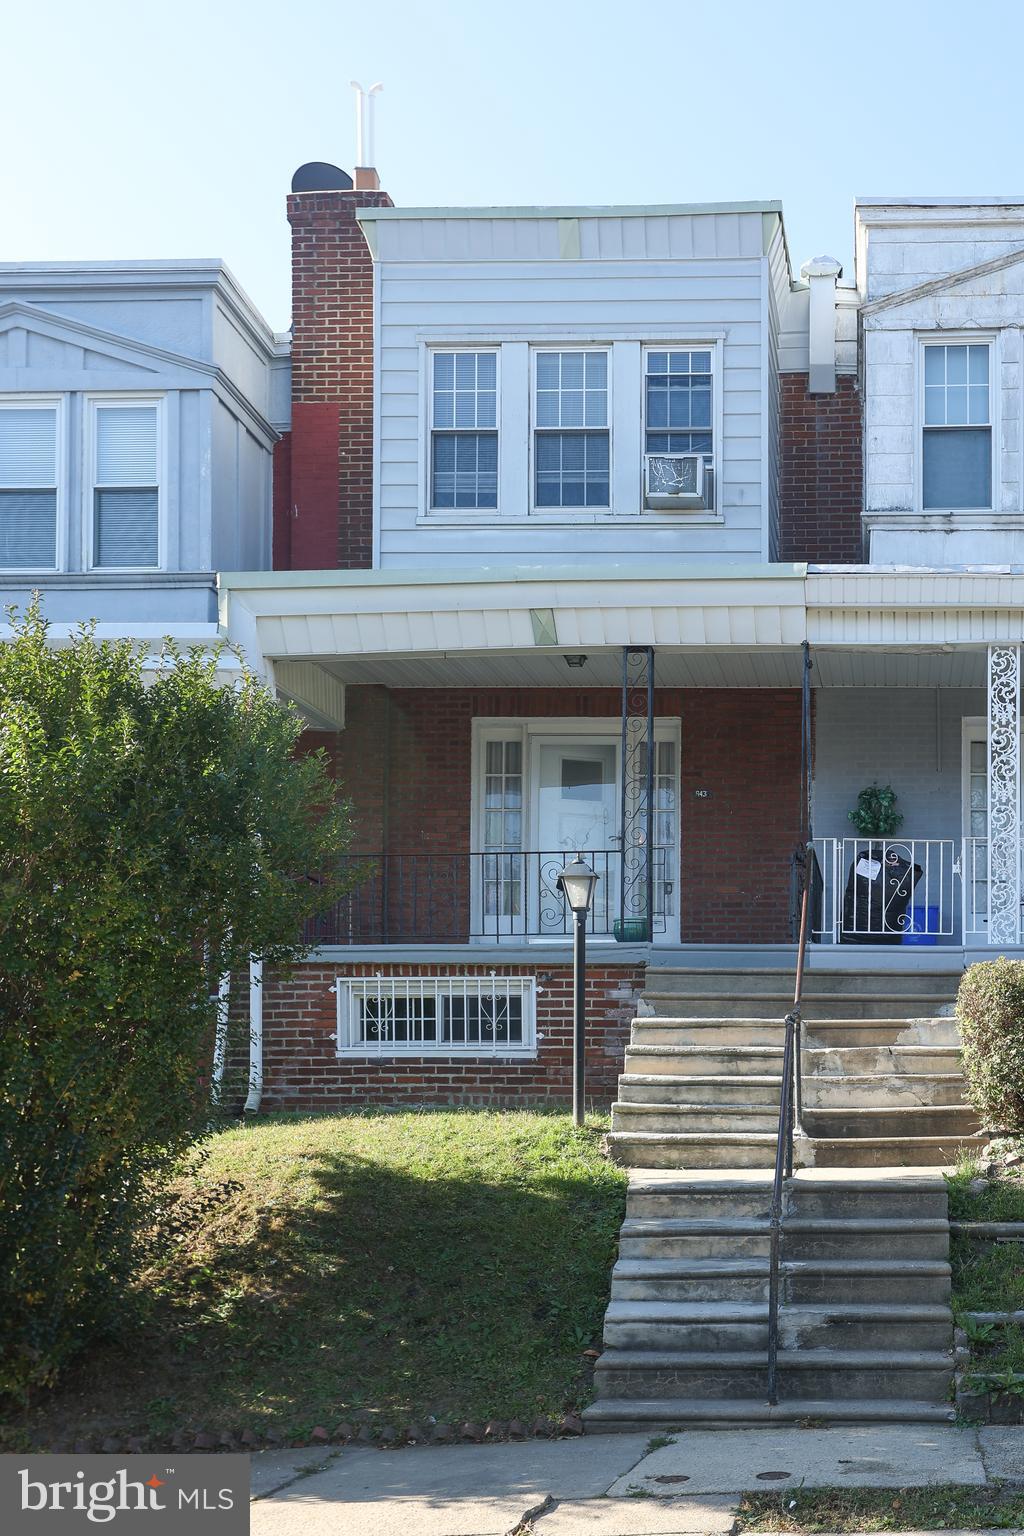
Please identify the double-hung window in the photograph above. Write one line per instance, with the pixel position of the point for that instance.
(571, 448)
(464, 429)
(678, 402)
(956, 449)
(28, 485)
(126, 485)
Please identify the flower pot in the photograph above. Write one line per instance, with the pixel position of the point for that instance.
(630, 930)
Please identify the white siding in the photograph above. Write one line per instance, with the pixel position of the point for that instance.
(620, 280)
(927, 254)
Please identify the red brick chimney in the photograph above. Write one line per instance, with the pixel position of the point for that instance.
(323, 502)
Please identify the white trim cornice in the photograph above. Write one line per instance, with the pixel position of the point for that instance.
(126, 349)
(211, 273)
(937, 285)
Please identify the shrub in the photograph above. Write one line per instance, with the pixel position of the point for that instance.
(155, 832)
(990, 1011)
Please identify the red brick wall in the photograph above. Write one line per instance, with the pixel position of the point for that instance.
(302, 1071)
(821, 485)
(743, 746)
(281, 557)
(404, 760)
(332, 381)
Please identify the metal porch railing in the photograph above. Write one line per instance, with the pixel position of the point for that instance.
(453, 898)
(876, 890)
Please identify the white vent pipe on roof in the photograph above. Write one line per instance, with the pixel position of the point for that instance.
(822, 274)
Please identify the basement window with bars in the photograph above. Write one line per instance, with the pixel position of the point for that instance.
(126, 485)
(464, 430)
(437, 1015)
(28, 485)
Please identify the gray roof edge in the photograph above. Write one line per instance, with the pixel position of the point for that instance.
(572, 211)
(919, 200)
(515, 575)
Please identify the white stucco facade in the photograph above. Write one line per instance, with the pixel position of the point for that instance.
(932, 271)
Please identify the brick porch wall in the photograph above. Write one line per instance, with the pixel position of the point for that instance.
(821, 472)
(302, 1071)
(405, 757)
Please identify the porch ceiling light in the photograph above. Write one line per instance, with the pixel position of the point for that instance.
(575, 661)
(576, 882)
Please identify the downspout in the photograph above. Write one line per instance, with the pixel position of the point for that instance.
(220, 1039)
(255, 1098)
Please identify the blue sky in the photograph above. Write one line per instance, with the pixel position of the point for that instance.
(138, 130)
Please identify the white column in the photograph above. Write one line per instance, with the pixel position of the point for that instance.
(1004, 852)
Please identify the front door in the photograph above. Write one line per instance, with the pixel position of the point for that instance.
(576, 810)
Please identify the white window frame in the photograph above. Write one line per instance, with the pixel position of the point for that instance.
(487, 728)
(92, 405)
(956, 339)
(470, 514)
(351, 990)
(59, 403)
(696, 514)
(581, 512)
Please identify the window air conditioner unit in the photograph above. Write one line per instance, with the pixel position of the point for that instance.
(676, 482)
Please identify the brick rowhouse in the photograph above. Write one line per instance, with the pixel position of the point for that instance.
(404, 761)
(327, 511)
(821, 472)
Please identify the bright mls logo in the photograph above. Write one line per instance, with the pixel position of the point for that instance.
(162, 1493)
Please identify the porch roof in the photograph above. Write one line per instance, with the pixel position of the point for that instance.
(711, 626)
(538, 612)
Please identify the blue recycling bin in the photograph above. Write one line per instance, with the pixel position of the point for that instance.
(923, 927)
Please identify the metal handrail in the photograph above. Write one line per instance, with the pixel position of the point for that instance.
(790, 1120)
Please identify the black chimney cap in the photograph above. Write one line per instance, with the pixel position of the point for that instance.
(319, 176)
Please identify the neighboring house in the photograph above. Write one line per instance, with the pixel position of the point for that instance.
(140, 403)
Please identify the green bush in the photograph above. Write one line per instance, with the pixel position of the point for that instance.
(156, 830)
(990, 1011)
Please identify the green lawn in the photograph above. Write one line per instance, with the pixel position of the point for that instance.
(434, 1262)
(989, 1277)
(813, 1510)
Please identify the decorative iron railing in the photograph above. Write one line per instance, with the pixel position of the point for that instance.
(876, 890)
(452, 898)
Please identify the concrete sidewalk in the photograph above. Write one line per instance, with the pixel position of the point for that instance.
(607, 1485)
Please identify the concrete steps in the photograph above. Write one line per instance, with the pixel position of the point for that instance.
(725, 1327)
(882, 1084)
(917, 1376)
(680, 992)
(802, 1238)
(622, 1415)
(865, 1329)
(731, 1032)
(802, 1280)
(739, 1005)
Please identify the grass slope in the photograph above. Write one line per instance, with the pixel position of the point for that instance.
(447, 1263)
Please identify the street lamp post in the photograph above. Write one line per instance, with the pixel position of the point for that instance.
(576, 882)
